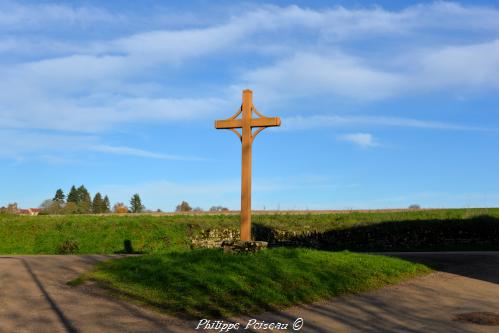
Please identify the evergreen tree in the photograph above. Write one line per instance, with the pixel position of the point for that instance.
(85, 201)
(98, 204)
(73, 195)
(59, 197)
(136, 204)
(106, 205)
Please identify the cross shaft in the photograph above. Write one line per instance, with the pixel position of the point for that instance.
(246, 123)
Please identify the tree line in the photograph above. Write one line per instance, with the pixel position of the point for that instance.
(79, 201)
(185, 207)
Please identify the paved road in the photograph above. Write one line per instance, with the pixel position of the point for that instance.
(35, 298)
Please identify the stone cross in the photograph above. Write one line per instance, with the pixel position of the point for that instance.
(246, 123)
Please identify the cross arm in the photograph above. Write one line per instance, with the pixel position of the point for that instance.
(228, 124)
(262, 123)
(255, 122)
(266, 122)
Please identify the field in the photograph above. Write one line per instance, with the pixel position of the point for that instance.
(360, 231)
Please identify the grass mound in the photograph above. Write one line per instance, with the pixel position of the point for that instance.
(207, 283)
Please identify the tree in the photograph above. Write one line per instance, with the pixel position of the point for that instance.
(59, 197)
(98, 205)
(136, 204)
(120, 208)
(183, 207)
(50, 207)
(46, 203)
(12, 208)
(73, 195)
(85, 202)
(414, 206)
(70, 208)
(197, 209)
(106, 205)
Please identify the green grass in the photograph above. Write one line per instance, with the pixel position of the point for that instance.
(207, 283)
(92, 234)
(162, 234)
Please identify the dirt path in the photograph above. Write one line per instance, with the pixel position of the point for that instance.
(35, 298)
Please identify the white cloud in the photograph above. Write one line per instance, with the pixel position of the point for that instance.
(16, 16)
(318, 121)
(465, 66)
(96, 113)
(449, 68)
(363, 140)
(24, 142)
(338, 20)
(122, 150)
(48, 147)
(151, 48)
(311, 74)
(93, 85)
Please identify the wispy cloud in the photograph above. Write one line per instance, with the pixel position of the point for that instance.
(363, 140)
(318, 121)
(99, 113)
(312, 74)
(121, 150)
(470, 67)
(46, 146)
(94, 84)
(17, 16)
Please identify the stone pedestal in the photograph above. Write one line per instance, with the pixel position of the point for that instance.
(239, 246)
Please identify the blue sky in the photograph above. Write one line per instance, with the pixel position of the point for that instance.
(383, 104)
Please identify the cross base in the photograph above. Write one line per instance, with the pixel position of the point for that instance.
(243, 247)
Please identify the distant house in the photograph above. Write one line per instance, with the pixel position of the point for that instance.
(29, 211)
(35, 211)
(23, 212)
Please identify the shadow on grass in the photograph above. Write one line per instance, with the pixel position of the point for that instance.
(479, 233)
(128, 248)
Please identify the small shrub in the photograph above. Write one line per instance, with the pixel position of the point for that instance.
(120, 208)
(68, 247)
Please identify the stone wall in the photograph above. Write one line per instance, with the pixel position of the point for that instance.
(212, 238)
(476, 233)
